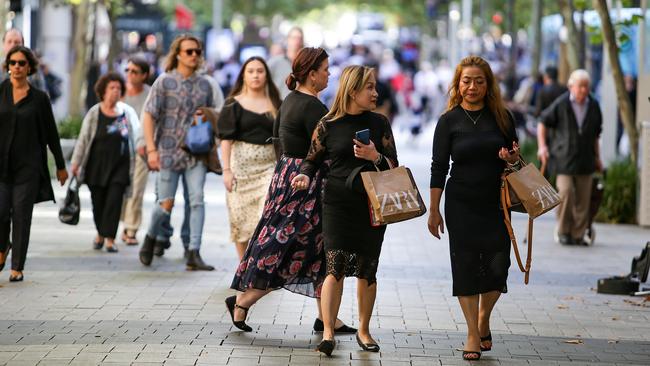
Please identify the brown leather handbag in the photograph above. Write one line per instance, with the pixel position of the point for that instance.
(524, 189)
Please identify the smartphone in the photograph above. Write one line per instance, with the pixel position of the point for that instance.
(363, 136)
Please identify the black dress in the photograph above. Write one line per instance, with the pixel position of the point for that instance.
(352, 245)
(286, 249)
(478, 239)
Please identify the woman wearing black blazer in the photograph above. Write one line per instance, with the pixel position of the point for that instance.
(27, 128)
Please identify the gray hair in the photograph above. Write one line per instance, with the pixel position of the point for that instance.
(578, 75)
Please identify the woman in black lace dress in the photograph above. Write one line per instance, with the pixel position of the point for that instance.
(478, 133)
(352, 245)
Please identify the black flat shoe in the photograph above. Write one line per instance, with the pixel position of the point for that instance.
(487, 338)
(98, 245)
(343, 329)
(326, 346)
(471, 356)
(112, 249)
(17, 278)
(370, 347)
(231, 304)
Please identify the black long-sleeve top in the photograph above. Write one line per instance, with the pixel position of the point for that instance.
(298, 116)
(237, 123)
(333, 140)
(474, 149)
(26, 129)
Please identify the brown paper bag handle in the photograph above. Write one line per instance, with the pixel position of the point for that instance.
(505, 195)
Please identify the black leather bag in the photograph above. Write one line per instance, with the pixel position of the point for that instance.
(69, 212)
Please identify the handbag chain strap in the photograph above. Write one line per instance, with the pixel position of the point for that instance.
(506, 218)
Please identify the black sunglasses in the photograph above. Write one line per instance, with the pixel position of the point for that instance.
(191, 51)
(20, 63)
(134, 71)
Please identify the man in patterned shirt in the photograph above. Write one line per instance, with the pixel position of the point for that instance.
(172, 104)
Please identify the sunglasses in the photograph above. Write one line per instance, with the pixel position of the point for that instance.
(192, 51)
(20, 63)
(132, 71)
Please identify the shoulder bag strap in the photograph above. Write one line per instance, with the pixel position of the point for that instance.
(513, 239)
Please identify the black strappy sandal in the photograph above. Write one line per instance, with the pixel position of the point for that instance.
(231, 304)
(487, 338)
(471, 355)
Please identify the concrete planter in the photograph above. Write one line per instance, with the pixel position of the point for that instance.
(67, 146)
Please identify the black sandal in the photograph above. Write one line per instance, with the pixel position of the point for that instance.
(471, 355)
(127, 239)
(487, 338)
(98, 245)
(231, 304)
(326, 346)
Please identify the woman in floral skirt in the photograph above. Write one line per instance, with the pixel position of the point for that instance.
(286, 250)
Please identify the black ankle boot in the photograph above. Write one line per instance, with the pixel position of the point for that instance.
(146, 251)
(195, 262)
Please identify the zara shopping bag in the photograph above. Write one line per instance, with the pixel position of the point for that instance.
(526, 190)
(392, 196)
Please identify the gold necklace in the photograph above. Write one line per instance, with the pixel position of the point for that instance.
(470, 117)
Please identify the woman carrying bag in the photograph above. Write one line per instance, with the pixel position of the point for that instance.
(478, 133)
(352, 244)
(104, 157)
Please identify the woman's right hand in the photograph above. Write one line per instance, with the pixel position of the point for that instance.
(74, 169)
(436, 223)
(153, 160)
(228, 180)
(300, 182)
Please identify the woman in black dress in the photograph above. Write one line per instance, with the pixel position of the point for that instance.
(27, 128)
(286, 249)
(478, 133)
(104, 156)
(352, 245)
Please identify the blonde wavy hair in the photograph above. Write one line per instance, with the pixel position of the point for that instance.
(492, 99)
(171, 60)
(353, 79)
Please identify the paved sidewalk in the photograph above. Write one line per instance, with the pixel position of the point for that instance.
(78, 306)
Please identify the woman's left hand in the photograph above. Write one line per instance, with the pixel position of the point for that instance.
(510, 156)
(366, 152)
(62, 176)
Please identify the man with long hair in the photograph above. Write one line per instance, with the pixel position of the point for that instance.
(172, 105)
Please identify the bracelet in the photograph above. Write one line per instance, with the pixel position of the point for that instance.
(378, 161)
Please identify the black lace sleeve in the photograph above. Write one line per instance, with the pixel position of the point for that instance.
(388, 149)
(317, 150)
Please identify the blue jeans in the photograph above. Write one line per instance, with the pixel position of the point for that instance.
(166, 186)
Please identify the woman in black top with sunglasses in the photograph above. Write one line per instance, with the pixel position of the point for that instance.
(27, 128)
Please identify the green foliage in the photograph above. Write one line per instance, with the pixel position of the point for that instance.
(595, 33)
(528, 151)
(69, 127)
(619, 200)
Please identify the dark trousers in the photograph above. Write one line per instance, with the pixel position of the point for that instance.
(107, 207)
(16, 206)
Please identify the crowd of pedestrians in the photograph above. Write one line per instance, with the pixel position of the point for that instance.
(298, 211)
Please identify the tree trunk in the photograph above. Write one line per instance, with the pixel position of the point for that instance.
(116, 46)
(80, 66)
(573, 45)
(512, 65)
(537, 38)
(625, 107)
(4, 6)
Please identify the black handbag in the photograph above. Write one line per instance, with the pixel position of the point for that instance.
(69, 212)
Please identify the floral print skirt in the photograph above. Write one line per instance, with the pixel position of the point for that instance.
(286, 250)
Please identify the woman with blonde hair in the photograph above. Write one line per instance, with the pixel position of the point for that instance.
(245, 127)
(352, 244)
(478, 133)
